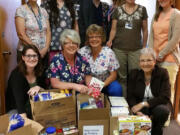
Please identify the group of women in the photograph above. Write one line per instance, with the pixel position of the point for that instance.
(146, 83)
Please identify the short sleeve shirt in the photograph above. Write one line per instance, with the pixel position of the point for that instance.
(105, 63)
(129, 26)
(60, 69)
(37, 36)
(65, 22)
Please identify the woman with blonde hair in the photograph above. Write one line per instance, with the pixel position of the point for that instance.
(164, 38)
(102, 60)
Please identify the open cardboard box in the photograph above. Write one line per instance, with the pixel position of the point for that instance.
(113, 124)
(93, 121)
(30, 127)
(58, 112)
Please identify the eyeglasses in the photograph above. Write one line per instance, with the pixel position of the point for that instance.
(29, 56)
(91, 37)
(70, 43)
(148, 60)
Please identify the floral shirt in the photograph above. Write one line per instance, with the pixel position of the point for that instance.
(105, 63)
(37, 36)
(59, 68)
(65, 22)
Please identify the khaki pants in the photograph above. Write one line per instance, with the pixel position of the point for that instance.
(172, 71)
(128, 60)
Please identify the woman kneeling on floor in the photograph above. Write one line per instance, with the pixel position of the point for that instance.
(149, 91)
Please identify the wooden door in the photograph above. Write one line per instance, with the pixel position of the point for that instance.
(8, 44)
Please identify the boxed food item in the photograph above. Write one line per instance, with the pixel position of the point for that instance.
(118, 101)
(134, 125)
(30, 127)
(93, 121)
(57, 112)
(118, 111)
(119, 106)
(95, 87)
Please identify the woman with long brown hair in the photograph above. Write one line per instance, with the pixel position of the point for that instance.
(26, 79)
(164, 38)
(62, 15)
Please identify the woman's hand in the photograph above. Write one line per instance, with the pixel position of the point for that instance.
(138, 107)
(140, 114)
(34, 90)
(109, 43)
(81, 88)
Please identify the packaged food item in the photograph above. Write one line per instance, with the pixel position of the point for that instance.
(95, 87)
(51, 131)
(44, 96)
(59, 132)
(70, 130)
(134, 125)
(15, 122)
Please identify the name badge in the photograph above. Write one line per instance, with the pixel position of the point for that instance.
(128, 25)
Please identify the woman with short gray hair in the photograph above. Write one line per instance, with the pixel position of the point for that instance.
(149, 91)
(68, 69)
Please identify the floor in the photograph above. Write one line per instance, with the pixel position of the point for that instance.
(173, 128)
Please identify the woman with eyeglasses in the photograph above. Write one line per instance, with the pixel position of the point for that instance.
(102, 60)
(149, 91)
(68, 69)
(24, 81)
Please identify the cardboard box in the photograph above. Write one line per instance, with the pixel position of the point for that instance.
(93, 121)
(30, 127)
(113, 124)
(58, 113)
(57, 119)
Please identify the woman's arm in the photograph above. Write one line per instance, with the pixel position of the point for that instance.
(76, 27)
(48, 41)
(20, 29)
(112, 33)
(164, 93)
(145, 32)
(56, 83)
(111, 78)
(175, 39)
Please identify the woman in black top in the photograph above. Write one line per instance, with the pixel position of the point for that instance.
(25, 80)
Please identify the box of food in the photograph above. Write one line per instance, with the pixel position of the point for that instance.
(94, 120)
(58, 112)
(134, 125)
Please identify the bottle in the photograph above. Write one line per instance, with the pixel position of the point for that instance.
(51, 131)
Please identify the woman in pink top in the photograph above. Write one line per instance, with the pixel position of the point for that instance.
(164, 38)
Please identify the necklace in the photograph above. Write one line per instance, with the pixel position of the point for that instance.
(38, 18)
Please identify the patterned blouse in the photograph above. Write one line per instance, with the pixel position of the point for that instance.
(59, 68)
(37, 36)
(65, 23)
(105, 63)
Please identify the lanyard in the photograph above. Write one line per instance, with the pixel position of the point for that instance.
(38, 19)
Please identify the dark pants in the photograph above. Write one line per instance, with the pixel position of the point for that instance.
(159, 116)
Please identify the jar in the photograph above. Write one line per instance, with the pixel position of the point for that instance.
(51, 131)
